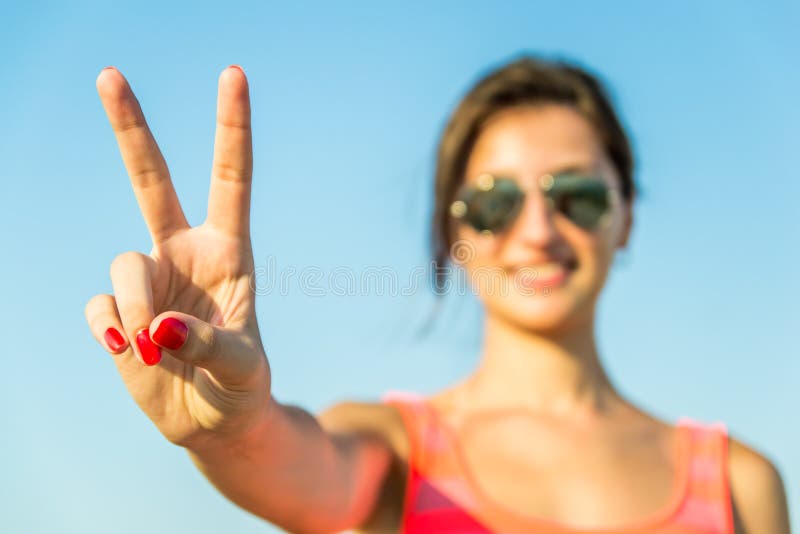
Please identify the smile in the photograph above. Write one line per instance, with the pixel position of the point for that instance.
(544, 275)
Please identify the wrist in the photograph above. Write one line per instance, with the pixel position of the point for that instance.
(243, 442)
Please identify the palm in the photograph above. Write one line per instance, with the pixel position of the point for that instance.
(205, 273)
(202, 271)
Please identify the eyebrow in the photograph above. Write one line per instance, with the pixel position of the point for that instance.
(573, 169)
(582, 169)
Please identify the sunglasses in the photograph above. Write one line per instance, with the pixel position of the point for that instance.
(492, 203)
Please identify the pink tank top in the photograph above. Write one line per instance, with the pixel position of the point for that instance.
(440, 498)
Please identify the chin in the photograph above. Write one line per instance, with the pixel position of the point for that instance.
(560, 310)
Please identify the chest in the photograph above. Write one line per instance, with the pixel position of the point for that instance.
(582, 478)
(506, 477)
(514, 470)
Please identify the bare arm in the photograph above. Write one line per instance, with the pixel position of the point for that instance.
(291, 471)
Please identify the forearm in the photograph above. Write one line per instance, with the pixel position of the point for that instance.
(289, 471)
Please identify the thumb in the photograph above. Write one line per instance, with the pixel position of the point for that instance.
(229, 355)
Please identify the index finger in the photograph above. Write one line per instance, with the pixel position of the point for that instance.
(146, 167)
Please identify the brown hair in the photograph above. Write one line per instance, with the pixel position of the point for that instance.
(524, 81)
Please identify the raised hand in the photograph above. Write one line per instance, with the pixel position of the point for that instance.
(185, 338)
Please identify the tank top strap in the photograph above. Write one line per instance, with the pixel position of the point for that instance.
(437, 497)
(708, 502)
(417, 422)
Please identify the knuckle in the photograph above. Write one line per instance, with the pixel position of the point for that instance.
(228, 172)
(91, 306)
(123, 260)
(146, 177)
(134, 122)
(97, 306)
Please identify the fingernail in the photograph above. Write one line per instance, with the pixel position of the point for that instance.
(114, 340)
(107, 68)
(171, 333)
(150, 352)
(236, 67)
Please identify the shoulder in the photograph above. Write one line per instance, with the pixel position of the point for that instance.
(384, 423)
(757, 490)
(376, 419)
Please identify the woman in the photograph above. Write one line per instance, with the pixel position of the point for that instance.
(534, 196)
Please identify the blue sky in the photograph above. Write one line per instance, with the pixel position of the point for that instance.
(700, 319)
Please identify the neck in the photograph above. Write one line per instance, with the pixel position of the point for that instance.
(550, 373)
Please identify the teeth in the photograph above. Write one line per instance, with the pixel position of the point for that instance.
(547, 270)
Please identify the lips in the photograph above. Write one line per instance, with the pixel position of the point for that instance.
(543, 275)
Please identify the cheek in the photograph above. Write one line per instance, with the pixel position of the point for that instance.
(595, 254)
(610, 239)
(473, 250)
(478, 256)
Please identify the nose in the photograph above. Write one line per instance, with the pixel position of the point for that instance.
(534, 224)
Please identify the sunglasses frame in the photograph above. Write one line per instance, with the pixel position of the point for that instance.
(545, 183)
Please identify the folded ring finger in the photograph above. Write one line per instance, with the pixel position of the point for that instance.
(131, 277)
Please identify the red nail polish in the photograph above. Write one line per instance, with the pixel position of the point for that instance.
(171, 333)
(114, 340)
(150, 352)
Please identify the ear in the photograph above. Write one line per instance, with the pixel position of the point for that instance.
(627, 224)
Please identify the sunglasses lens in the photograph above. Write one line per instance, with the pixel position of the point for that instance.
(494, 209)
(584, 201)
